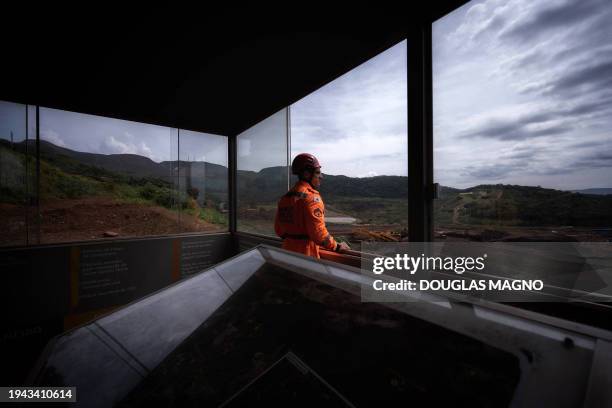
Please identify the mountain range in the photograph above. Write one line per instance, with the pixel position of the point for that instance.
(513, 204)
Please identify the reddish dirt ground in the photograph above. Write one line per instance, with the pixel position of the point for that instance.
(91, 218)
(12, 225)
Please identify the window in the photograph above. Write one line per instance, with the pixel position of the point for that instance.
(17, 173)
(100, 177)
(261, 173)
(357, 127)
(103, 177)
(203, 180)
(522, 110)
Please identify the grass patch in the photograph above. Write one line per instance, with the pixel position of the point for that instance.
(213, 216)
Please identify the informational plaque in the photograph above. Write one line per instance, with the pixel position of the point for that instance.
(199, 253)
(111, 274)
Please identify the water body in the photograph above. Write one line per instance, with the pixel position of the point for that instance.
(340, 220)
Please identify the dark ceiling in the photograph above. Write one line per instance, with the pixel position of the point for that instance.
(212, 69)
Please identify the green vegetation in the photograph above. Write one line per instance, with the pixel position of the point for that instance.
(213, 216)
(14, 177)
(513, 205)
(56, 183)
(370, 210)
(383, 200)
(62, 177)
(66, 174)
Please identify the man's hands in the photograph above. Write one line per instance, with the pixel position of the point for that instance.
(342, 247)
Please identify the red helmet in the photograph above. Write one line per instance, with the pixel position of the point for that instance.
(304, 161)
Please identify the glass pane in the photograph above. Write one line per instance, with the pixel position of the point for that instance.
(203, 182)
(32, 216)
(357, 127)
(522, 111)
(14, 163)
(104, 178)
(262, 173)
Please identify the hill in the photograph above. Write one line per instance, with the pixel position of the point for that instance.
(378, 199)
(502, 204)
(597, 191)
(127, 167)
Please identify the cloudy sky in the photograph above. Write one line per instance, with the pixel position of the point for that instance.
(357, 124)
(95, 134)
(523, 94)
(13, 120)
(265, 144)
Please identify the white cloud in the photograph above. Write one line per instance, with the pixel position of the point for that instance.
(53, 137)
(244, 147)
(522, 73)
(357, 125)
(113, 145)
(368, 174)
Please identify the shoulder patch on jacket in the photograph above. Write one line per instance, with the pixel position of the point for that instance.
(298, 194)
(318, 212)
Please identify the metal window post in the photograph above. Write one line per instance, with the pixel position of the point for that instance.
(420, 146)
(232, 183)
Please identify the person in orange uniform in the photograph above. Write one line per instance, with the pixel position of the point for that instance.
(300, 215)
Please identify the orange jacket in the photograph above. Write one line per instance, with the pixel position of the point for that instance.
(300, 221)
